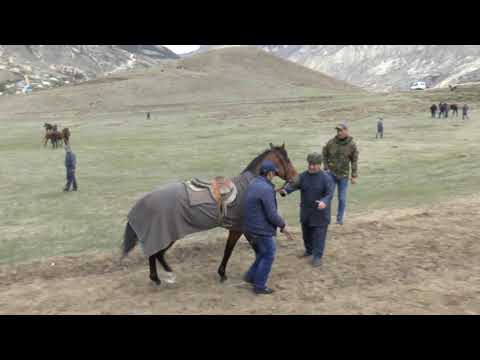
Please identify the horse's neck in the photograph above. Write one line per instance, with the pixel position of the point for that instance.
(241, 181)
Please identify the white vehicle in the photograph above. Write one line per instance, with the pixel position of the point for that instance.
(418, 85)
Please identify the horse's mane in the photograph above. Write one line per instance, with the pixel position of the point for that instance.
(253, 164)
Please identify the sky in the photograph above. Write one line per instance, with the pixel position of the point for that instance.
(182, 49)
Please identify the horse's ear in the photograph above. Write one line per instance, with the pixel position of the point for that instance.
(283, 145)
(271, 146)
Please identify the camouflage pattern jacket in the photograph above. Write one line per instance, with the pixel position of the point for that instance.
(337, 155)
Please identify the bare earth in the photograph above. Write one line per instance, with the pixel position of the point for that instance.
(412, 261)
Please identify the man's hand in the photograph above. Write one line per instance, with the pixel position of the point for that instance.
(354, 180)
(286, 233)
(321, 205)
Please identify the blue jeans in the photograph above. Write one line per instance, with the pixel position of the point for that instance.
(314, 239)
(342, 195)
(71, 180)
(264, 256)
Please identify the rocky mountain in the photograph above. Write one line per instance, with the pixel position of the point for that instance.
(222, 79)
(46, 66)
(385, 67)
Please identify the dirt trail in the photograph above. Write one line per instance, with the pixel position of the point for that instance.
(411, 261)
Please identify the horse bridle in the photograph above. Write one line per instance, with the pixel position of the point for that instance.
(285, 169)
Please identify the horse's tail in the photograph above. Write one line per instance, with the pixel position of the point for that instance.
(130, 239)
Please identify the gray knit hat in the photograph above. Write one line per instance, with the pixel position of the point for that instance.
(314, 158)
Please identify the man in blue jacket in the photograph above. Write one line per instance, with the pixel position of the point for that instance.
(70, 165)
(316, 194)
(260, 222)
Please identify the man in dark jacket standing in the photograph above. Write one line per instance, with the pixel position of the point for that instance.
(316, 188)
(465, 112)
(337, 156)
(261, 221)
(70, 165)
(379, 129)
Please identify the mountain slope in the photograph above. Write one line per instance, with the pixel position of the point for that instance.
(226, 75)
(385, 67)
(53, 65)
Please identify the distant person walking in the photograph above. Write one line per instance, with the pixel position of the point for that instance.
(338, 153)
(440, 110)
(433, 110)
(446, 110)
(379, 129)
(148, 115)
(465, 112)
(70, 165)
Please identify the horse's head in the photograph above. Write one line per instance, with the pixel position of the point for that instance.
(279, 156)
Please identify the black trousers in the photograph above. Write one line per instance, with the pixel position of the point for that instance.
(314, 239)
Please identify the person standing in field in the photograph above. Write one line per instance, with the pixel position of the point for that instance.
(465, 112)
(260, 223)
(70, 165)
(338, 154)
(316, 188)
(379, 129)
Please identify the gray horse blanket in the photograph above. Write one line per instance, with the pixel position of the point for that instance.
(172, 212)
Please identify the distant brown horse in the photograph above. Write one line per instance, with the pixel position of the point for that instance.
(66, 136)
(454, 108)
(56, 137)
(176, 193)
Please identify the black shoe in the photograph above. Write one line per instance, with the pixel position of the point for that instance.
(304, 255)
(247, 280)
(264, 291)
(65, 190)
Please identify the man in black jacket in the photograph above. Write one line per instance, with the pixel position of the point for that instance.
(316, 194)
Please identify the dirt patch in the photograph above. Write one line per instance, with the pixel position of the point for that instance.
(411, 261)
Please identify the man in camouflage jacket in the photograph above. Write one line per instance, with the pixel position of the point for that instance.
(337, 156)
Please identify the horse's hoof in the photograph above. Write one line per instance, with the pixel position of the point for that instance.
(156, 281)
(223, 278)
(170, 279)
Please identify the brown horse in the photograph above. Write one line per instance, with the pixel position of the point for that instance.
(454, 108)
(277, 154)
(56, 137)
(66, 136)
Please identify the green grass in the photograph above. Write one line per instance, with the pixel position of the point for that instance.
(420, 161)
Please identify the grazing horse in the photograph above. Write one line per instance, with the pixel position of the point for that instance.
(454, 108)
(167, 214)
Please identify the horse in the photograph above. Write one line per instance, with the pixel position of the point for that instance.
(454, 108)
(66, 136)
(174, 220)
(54, 136)
(433, 110)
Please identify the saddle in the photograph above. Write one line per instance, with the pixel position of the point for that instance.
(223, 190)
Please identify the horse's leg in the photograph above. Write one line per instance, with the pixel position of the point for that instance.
(161, 259)
(153, 269)
(233, 237)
